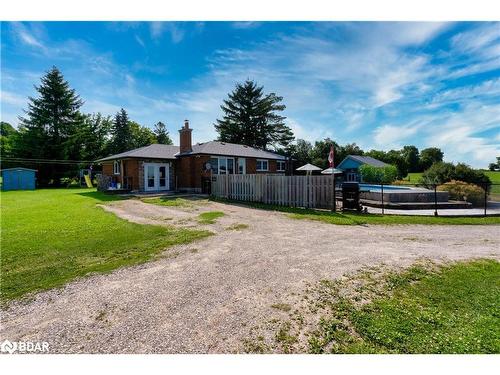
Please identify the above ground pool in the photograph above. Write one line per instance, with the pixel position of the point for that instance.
(378, 188)
(401, 194)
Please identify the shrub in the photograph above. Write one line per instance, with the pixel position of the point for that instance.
(460, 190)
(440, 173)
(378, 175)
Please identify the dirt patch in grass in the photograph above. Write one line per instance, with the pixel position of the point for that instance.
(187, 203)
(426, 308)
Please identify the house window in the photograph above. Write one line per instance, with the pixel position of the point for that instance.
(280, 165)
(242, 167)
(262, 165)
(222, 165)
(214, 164)
(116, 167)
(230, 166)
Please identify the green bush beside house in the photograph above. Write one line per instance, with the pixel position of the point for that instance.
(378, 175)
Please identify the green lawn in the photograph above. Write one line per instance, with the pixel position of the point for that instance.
(453, 309)
(414, 178)
(209, 217)
(52, 236)
(168, 202)
(495, 189)
(187, 202)
(354, 218)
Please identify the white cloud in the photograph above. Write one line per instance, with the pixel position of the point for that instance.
(463, 94)
(392, 136)
(157, 29)
(245, 24)
(7, 97)
(27, 36)
(478, 39)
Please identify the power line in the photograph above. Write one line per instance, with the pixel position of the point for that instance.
(47, 161)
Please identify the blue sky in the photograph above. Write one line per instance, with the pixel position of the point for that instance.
(381, 85)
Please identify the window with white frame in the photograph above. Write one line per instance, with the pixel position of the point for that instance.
(116, 167)
(242, 166)
(262, 165)
(280, 165)
(222, 165)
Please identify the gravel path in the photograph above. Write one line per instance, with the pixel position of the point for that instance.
(206, 298)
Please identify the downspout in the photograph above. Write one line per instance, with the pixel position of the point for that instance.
(122, 171)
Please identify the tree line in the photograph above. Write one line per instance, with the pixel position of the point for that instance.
(54, 134)
(406, 160)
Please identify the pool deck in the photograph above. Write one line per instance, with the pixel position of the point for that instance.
(493, 208)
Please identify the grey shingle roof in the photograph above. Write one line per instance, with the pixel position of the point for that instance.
(154, 151)
(232, 149)
(368, 160)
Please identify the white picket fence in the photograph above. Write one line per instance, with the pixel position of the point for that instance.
(293, 191)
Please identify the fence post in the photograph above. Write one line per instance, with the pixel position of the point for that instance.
(382, 195)
(485, 197)
(435, 201)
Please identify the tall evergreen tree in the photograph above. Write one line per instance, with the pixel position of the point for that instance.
(121, 133)
(49, 124)
(161, 134)
(251, 118)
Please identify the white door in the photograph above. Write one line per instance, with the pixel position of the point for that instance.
(163, 176)
(156, 176)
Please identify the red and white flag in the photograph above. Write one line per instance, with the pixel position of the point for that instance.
(331, 156)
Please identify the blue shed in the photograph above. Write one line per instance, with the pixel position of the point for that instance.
(18, 179)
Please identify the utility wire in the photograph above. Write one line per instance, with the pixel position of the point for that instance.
(47, 161)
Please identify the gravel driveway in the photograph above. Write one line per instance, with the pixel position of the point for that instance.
(205, 296)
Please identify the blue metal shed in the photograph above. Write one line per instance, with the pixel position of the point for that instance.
(18, 179)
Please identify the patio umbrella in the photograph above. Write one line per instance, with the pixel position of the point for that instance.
(309, 168)
(329, 171)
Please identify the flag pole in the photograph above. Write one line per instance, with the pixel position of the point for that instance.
(331, 158)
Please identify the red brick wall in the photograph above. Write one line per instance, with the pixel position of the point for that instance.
(185, 142)
(252, 166)
(190, 171)
(131, 169)
(107, 169)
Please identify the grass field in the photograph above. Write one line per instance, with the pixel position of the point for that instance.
(451, 309)
(353, 218)
(495, 189)
(50, 237)
(414, 178)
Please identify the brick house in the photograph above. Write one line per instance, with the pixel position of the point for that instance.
(186, 167)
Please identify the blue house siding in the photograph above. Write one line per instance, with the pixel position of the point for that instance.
(350, 166)
(18, 179)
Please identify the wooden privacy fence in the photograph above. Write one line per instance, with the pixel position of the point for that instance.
(293, 191)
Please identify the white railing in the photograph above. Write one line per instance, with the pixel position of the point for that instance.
(293, 191)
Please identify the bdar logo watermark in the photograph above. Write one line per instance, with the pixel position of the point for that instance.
(24, 347)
